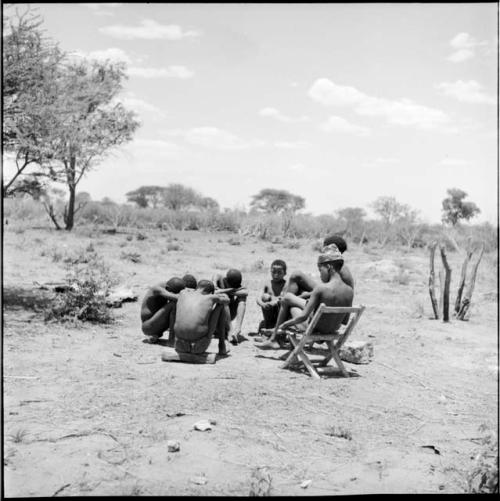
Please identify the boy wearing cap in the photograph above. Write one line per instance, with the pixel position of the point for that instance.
(235, 310)
(332, 291)
(158, 309)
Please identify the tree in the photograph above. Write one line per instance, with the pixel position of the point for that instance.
(271, 200)
(177, 196)
(208, 203)
(353, 217)
(90, 125)
(389, 209)
(455, 208)
(30, 67)
(146, 196)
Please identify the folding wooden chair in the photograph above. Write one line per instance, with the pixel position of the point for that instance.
(334, 340)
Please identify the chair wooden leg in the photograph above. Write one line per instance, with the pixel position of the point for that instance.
(293, 354)
(327, 358)
(310, 367)
(341, 366)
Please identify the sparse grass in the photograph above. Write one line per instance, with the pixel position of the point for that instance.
(339, 432)
(18, 436)
(292, 244)
(135, 257)
(141, 236)
(173, 246)
(233, 241)
(258, 265)
(483, 479)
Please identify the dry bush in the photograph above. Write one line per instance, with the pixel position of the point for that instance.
(85, 298)
(483, 478)
(135, 257)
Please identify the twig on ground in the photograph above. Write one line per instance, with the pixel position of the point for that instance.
(60, 489)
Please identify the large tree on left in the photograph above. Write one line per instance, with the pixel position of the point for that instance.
(31, 64)
(80, 119)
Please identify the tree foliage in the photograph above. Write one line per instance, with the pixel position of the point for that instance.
(389, 209)
(175, 196)
(31, 65)
(455, 208)
(271, 200)
(61, 115)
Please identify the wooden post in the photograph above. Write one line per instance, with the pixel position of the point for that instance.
(463, 275)
(470, 288)
(432, 292)
(446, 288)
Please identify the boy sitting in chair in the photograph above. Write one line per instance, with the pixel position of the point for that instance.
(199, 314)
(333, 291)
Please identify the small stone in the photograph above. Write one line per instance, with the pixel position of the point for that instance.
(173, 446)
(357, 352)
(199, 480)
(305, 484)
(202, 425)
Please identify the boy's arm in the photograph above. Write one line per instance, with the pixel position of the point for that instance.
(346, 276)
(220, 298)
(306, 312)
(158, 290)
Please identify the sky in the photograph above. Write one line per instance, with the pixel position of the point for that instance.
(337, 103)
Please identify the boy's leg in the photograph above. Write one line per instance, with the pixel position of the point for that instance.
(219, 321)
(298, 282)
(155, 326)
(290, 303)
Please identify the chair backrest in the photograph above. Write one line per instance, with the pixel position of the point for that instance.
(329, 310)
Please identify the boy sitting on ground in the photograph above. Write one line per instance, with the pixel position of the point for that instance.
(199, 314)
(269, 300)
(158, 309)
(235, 310)
(332, 291)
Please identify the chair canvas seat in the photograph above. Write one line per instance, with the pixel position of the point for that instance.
(334, 341)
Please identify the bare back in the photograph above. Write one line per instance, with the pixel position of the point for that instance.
(192, 314)
(334, 293)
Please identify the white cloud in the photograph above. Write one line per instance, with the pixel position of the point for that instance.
(214, 138)
(453, 162)
(464, 47)
(292, 145)
(274, 113)
(153, 148)
(149, 30)
(339, 124)
(102, 9)
(380, 161)
(466, 92)
(400, 112)
(297, 167)
(170, 72)
(130, 101)
(112, 54)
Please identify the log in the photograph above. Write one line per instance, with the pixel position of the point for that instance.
(463, 275)
(432, 292)
(170, 355)
(470, 288)
(446, 289)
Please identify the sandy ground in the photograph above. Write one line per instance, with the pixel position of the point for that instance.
(89, 410)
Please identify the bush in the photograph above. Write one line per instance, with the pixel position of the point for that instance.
(483, 479)
(85, 298)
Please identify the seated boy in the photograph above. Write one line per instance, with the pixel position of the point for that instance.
(235, 310)
(158, 309)
(269, 300)
(199, 313)
(332, 291)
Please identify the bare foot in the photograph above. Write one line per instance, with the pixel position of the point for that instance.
(151, 340)
(268, 345)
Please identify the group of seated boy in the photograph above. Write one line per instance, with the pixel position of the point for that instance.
(194, 312)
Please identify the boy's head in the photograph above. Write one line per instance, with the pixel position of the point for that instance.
(233, 278)
(330, 260)
(278, 269)
(337, 240)
(175, 285)
(206, 287)
(189, 281)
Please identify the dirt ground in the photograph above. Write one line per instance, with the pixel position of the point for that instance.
(89, 410)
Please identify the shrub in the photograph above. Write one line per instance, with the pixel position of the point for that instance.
(135, 257)
(85, 298)
(483, 479)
